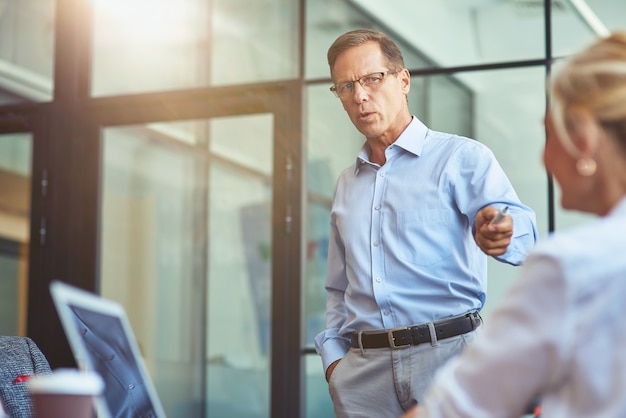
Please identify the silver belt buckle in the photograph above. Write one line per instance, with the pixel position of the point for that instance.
(392, 341)
(475, 319)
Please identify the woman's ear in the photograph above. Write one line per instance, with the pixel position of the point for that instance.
(586, 133)
(586, 138)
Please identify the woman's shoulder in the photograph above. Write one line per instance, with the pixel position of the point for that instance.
(592, 250)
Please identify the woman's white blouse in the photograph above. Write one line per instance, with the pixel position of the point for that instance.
(559, 333)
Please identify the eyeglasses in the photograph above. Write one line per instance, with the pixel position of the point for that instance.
(370, 82)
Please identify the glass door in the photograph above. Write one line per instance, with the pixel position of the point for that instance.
(148, 252)
(239, 267)
(186, 245)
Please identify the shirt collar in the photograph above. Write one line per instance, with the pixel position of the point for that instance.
(411, 140)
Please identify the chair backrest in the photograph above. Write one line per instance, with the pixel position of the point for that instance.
(20, 359)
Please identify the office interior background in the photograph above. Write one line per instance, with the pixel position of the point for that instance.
(180, 156)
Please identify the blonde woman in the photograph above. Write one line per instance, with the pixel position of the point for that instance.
(561, 331)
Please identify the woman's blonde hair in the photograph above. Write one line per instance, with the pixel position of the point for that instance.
(591, 83)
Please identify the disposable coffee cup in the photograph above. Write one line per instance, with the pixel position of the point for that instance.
(65, 393)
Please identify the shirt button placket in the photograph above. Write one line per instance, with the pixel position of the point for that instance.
(377, 247)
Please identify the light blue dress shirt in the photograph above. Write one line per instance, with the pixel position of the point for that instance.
(401, 246)
(559, 333)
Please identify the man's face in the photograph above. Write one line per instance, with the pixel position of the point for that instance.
(380, 112)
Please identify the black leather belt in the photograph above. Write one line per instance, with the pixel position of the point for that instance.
(416, 334)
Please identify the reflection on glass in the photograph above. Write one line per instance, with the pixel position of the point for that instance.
(155, 45)
(15, 179)
(26, 50)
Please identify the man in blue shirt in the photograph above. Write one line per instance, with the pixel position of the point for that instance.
(410, 234)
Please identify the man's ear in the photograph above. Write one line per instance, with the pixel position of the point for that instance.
(405, 79)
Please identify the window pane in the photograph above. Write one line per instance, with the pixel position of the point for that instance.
(332, 140)
(155, 45)
(26, 50)
(332, 145)
(572, 32)
(186, 248)
(463, 32)
(150, 259)
(326, 20)
(254, 41)
(15, 184)
(239, 267)
(318, 402)
(469, 104)
(511, 125)
(444, 103)
(577, 24)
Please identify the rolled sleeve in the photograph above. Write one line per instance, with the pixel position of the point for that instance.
(524, 238)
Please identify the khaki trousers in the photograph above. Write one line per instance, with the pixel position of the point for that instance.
(383, 382)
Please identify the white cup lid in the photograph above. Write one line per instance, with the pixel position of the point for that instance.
(67, 381)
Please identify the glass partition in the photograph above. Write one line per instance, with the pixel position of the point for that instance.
(186, 246)
(464, 32)
(149, 243)
(578, 23)
(332, 144)
(442, 102)
(239, 267)
(327, 19)
(511, 125)
(186, 216)
(26, 50)
(572, 31)
(155, 45)
(15, 186)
